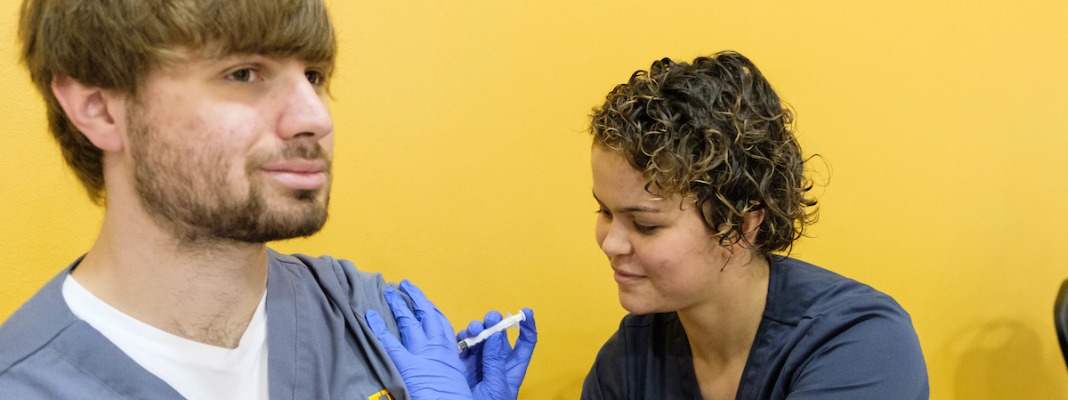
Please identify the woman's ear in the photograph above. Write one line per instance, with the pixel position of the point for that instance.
(751, 224)
(92, 110)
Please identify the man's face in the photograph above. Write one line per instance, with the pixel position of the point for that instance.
(236, 149)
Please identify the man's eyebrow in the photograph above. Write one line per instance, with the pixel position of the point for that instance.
(630, 209)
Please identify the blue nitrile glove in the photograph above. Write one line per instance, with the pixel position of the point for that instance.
(428, 360)
(483, 362)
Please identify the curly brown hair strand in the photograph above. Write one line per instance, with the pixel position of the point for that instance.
(714, 130)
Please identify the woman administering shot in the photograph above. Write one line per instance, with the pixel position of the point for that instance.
(701, 193)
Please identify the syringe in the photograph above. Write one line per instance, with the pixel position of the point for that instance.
(508, 322)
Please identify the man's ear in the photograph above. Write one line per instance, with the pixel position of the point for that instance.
(93, 110)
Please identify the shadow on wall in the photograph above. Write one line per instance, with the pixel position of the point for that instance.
(1004, 359)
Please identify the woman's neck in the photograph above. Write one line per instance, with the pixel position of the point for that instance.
(721, 331)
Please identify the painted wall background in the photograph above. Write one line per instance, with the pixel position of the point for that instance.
(462, 163)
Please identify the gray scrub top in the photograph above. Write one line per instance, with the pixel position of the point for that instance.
(318, 342)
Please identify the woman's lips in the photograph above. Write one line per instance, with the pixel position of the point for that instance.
(624, 278)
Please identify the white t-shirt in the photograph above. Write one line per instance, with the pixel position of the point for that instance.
(196, 370)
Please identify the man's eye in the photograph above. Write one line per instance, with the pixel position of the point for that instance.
(315, 77)
(604, 212)
(242, 75)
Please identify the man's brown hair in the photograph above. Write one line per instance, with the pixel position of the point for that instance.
(114, 44)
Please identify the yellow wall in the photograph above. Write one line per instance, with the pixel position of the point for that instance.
(462, 163)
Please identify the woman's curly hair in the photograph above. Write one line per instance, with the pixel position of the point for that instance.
(713, 130)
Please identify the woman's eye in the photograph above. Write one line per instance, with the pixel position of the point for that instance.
(645, 229)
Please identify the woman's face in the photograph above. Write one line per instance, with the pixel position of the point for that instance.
(664, 256)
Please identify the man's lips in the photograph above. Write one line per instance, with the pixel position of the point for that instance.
(301, 174)
(296, 165)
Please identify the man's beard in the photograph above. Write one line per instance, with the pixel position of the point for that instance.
(185, 189)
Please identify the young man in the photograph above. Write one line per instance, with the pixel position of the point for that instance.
(202, 128)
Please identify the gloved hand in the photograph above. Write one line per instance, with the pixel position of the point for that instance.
(428, 360)
(493, 368)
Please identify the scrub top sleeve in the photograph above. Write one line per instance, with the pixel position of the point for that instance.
(367, 290)
(874, 357)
